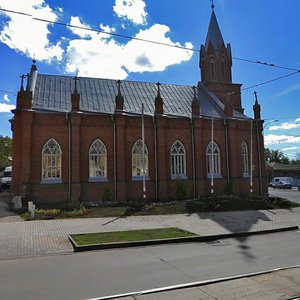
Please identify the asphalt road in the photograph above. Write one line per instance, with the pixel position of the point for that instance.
(292, 195)
(101, 273)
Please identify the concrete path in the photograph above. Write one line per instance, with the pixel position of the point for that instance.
(34, 238)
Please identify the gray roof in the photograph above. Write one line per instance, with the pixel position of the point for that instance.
(214, 34)
(53, 93)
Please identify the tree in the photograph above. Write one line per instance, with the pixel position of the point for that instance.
(297, 159)
(276, 156)
(5, 151)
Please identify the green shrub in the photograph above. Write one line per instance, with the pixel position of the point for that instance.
(180, 189)
(107, 194)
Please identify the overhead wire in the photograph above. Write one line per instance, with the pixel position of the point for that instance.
(295, 71)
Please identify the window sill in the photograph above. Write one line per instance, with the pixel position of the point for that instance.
(246, 175)
(215, 176)
(139, 178)
(179, 177)
(51, 181)
(98, 179)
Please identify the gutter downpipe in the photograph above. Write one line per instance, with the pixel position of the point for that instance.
(70, 157)
(251, 157)
(259, 160)
(115, 163)
(155, 157)
(193, 157)
(212, 157)
(227, 151)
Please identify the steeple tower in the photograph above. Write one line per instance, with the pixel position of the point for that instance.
(215, 58)
(215, 64)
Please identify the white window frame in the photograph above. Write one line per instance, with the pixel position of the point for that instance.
(51, 162)
(178, 160)
(97, 161)
(245, 159)
(137, 161)
(213, 153)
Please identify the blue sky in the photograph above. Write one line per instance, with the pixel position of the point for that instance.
(258, 30)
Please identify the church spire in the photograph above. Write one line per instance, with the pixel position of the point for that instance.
(215, 58)
(214, 35)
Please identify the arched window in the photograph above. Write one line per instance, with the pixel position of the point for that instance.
(51, 161)
(97, 161)
(178, 164)
(245, 159)
(139, 162)
(212, 67)
(222, 66)
(213, 159)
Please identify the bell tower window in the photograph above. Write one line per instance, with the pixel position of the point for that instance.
(212, 67)
(222, 67)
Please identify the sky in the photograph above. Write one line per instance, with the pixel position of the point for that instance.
(258, 30)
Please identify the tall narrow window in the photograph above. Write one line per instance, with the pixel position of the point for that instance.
(222, 67)
(98, 161)
(245, 159)
(212, 67)
(213, 159)
(138, 165)
(51, 161)
(178, 164)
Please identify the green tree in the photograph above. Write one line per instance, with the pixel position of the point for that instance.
(276, 156)
(5, 151)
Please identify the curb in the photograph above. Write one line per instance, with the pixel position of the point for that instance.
(192, 239)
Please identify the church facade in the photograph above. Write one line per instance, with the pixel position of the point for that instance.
(80, 139)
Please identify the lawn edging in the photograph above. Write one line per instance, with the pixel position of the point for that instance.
(79, 248)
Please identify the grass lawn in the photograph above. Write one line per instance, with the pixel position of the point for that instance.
(129, 236)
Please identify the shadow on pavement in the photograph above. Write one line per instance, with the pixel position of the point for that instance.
(235, 222)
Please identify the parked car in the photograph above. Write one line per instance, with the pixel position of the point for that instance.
(6, 179)
(281, 185)
(281, 182)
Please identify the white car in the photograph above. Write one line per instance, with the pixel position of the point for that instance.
(6, 179)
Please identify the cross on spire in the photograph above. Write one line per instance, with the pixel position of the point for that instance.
(212, 4)
(255, 94)
(119, 87)
(194, 89)
(158, 89)
(22, 81)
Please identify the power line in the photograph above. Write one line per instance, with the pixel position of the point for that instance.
(158, 43)
(141, 40)
(268, 81)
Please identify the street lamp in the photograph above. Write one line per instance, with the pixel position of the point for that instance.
(273, 121)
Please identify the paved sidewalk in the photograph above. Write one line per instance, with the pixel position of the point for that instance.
(34, 238)
(283, 284)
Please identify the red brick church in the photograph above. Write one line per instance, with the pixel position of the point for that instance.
(75, 138)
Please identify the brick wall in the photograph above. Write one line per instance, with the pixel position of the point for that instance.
(29, 138)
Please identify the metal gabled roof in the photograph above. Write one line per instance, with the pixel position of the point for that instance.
(53, 93)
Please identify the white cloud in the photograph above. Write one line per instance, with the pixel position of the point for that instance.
(5, 98)
(289, 90)
(27, 35)
(133, 10)
(285, 126)
(141, 56)
(290, 149)
(297, 120)
(102, 57)
(75, 21)
(4, 107)
(271, 139)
